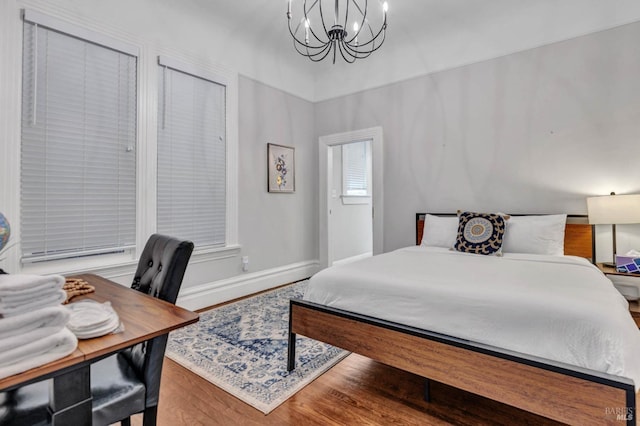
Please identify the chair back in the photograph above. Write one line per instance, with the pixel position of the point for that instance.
(161, 267)
(160, 271)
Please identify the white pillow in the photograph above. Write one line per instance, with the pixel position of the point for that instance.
(542, 234)
(439, 231)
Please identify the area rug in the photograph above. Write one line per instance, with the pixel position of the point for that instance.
(242, 348)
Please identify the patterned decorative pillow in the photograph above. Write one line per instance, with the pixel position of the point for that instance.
(480, 233)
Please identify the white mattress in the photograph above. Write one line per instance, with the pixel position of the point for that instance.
(560, 308)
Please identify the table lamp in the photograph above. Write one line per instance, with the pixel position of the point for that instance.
(614, 210)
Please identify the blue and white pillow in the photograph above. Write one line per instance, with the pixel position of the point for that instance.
(480, 233)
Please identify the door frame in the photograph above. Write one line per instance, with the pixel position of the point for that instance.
(325, 142)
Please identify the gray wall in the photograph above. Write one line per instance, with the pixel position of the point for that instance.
(535, 131)
(276, 229)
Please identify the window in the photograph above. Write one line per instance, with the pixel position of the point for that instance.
(78, 148)
(192, 174)
(356, 158)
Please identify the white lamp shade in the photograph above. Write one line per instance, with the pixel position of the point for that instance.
(614, 209)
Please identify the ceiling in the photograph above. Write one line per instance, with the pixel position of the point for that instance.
(423, 36)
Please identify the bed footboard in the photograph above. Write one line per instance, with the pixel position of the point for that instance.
(555, 390)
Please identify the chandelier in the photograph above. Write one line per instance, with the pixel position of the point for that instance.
(315, 37)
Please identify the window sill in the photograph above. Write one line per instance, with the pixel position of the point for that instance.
(117, 265)
(215, 253)
(355, 199)
(111, 265)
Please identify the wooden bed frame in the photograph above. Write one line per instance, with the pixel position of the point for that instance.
(552, 389)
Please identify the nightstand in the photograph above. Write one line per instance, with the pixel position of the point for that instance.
(634, 308)
(627, 284)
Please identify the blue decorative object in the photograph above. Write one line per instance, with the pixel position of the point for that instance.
(242, 348)
(5, 231)
(480, 233)
(628, 264)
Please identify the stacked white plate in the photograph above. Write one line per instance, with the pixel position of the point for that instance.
(92, 319)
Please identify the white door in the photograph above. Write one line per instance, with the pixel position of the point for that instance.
(350, 208)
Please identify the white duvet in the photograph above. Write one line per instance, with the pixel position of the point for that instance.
(560, 308)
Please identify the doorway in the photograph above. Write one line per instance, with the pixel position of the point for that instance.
(351, 171)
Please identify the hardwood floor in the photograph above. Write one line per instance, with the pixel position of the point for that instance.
(356, 391)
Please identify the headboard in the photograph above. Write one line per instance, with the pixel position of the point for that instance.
(579, 238)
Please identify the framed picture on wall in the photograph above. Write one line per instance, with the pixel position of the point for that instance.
(281, 168)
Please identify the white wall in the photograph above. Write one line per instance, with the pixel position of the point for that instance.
(536, 131)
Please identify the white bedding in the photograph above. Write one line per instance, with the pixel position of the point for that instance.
(560, 308)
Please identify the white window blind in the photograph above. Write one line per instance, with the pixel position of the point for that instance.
(354, 169)
(78, 161)
(191, 156)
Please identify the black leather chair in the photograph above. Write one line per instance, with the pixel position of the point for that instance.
(129, 382)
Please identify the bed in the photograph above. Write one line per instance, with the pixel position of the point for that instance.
(590, 388)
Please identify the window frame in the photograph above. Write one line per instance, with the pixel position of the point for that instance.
(166, 64)
(118, 266)
(210, 71)
(356, 198)
(119, 254)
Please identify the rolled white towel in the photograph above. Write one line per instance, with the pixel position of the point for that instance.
(27, 284)
(54, 299)
(52, 316)
(10, 343)
(37, 353)
(46, 298)
(19, 299)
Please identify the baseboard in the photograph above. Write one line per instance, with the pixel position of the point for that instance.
(352, 258)
(209, 294)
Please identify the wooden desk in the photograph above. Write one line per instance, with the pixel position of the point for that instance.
(144, 318)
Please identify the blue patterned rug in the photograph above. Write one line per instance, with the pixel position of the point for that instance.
(242, 348)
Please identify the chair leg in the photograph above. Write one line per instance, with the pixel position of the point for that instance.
(125, 422)
(150, 416)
